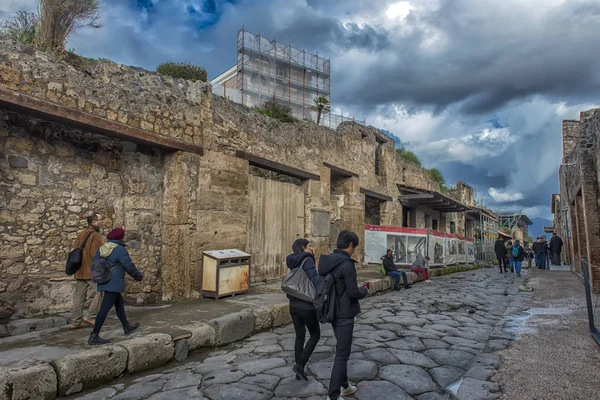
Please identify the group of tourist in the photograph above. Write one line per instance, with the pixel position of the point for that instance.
(108, 294)
(511, 255)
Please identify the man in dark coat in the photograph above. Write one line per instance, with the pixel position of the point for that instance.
(555, 246)
(540, 248)
(341, 267)
(500, 250)
(391, 270)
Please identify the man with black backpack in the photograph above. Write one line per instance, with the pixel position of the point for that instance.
(90, 241)
(340, 266)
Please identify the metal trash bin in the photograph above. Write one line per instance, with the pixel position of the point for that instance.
(225, 272)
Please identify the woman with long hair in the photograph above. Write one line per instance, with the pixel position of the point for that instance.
(303, 313)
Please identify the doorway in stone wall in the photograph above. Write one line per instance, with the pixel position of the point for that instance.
(275, 221)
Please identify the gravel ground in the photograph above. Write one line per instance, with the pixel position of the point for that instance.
(555, 358)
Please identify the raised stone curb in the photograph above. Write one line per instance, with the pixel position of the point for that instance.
(28, 380)
(76, 372)
(232, 327)
(148, 352)
(203, 335)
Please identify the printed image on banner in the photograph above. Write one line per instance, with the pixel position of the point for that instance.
(451, 251)
(470, 252)
(436, 250)
(406, 248)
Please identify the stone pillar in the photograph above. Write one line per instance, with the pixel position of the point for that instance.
(570, 136)
(180, 260)
(317, 213)
(588, 147)
(574, 242)
(353, 214)
(443, 224)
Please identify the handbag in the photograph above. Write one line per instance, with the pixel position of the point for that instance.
(297, 284)
(75, 257)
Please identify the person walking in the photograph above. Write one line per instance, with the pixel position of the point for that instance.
(342, 268)
(509, 246)
(304, 315)
(500, 250)
(391, 270)
(555, 246)
(91, 241)
(120, 262)
(530, 256)
(419, 266)
(518, 255)
(540, 249)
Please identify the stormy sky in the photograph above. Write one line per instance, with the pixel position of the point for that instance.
(476, 88)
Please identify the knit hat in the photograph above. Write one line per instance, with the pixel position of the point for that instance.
(116, 234)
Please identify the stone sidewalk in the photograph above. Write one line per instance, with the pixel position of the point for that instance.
(433, 342)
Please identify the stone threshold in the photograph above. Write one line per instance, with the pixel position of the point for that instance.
(89, 367)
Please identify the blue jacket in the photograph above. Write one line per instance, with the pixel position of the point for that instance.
(294, 261)
(118, 258)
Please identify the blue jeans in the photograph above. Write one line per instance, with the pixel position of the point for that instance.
(511, 262)
(540, 261)
(518, 267)
(396, 275)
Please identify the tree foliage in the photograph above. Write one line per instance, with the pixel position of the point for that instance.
(321, 104)
(187, 71)
(21, 27)
(408, 155)
(58, 19)
(436, 175)
(275, 110)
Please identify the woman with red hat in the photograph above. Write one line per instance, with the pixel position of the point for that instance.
(120, 262)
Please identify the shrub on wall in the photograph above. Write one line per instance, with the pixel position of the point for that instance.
(275, 110)
(187, 71)
(408, 155)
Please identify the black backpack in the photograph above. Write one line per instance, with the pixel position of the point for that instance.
(75, 256)
(325, 301)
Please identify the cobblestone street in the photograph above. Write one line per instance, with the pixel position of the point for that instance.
(422, 343)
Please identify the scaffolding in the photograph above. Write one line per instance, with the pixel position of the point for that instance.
(485, 235)
(514, 222)
(268, 70)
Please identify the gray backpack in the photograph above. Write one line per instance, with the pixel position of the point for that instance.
(297, 284)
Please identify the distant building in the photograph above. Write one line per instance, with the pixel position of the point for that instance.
(267, 70)
(516, 223)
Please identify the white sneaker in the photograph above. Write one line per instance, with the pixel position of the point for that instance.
(427, 281)
(350, 390)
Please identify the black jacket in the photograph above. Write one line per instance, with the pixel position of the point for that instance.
(341, 266)
(521, 255)
(294, 261)
(388, 264)
(500, 249)
(556, 244)
(540, 247)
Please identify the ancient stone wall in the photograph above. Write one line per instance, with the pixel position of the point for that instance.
(570, 136)
(52, 177)
(174, 205)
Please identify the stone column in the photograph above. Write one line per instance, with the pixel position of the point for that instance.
(317, 214)
(353, 214)
(180, 260)
(574, 242)
(580, 224)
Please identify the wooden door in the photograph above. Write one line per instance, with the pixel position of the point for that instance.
(275, 221)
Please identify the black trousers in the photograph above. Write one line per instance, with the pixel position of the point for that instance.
(302, 319)
(502, 263)
(343, 330)
(109, 300)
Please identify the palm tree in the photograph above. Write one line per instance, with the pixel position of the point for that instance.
(321, 104)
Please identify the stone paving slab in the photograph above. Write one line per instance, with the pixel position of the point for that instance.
(388, 363)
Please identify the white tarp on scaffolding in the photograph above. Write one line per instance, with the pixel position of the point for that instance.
(409, 243)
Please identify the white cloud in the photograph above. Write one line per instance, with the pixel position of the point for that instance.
(399, 10)
(500, 196)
